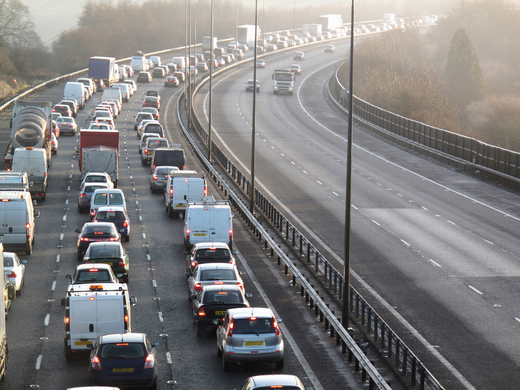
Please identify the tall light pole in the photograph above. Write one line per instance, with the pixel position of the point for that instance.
(210, 79)
(348, 205)
(185, 48)
(187, 69)
(253, 127)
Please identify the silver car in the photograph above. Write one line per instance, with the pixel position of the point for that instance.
(273, 381)
(159, 177)
(213, 273)
(14, 269)
(250, 335)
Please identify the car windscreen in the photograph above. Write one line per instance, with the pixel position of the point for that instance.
(116, 198)
(161, 171)
(253, 325)
(104, 251)
(222, 297)
(122, 351)
(99, 229)
(95, 179)
(217, 274)
(155, 143)
(153, 128)
(110, 215)
(213, 253)
(93, 275)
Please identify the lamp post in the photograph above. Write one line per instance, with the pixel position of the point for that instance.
(253, 127)
(348, 205)
(210, 80)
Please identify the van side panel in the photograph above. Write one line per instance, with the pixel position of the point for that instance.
(14, 215)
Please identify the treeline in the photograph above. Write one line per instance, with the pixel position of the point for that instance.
(460, 75)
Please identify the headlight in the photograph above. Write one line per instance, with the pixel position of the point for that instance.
(276, 88)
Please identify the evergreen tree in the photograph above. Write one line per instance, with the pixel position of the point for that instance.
(463, 70)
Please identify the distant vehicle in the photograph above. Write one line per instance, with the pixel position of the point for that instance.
(54, 144)
(260, 63)
(14, 269)
(273, 381)
(118, 216)
(299, 56)
(144, 77)
(295, 68)
(250, 85)
(330, 49)
(67, 125)
(171, 81)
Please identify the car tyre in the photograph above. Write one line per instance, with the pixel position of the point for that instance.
(80, 258)
(198, 328)
(225, 364)
(279, 365)
(69, 356)
(154, 385)
(219, 351)
(125, 279)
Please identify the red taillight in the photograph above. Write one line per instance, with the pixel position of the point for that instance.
(154, 177)
(201, 312)
(113, 239)
(67, 320)
(125, 224)
(83, 195)
(84, 239)
(150, 361)
(122, 263)
(230, 234)
(205, 191)
(11, 275)
(28, 230)
(198, 286)
(96, 363)
(194, 263)
(276, 328)
(241, 285)
(230, 330)
(92, 212)
(187, 234)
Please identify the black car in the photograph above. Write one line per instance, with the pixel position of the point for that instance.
(111, 253)
(250, 86)
(100, 85)
(171, 81)
(144, 77)
(212, 302)
(158, 72)
(170, 156)
(123, 360)
(95, 231)
(63, 109)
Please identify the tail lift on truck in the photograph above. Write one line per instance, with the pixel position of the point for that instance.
(99, 152)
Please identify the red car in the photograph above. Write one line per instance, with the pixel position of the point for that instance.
(152, 101)
(171, 81)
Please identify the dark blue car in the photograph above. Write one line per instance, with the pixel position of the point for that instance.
(118, 216)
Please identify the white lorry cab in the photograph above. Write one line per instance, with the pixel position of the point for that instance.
(92, 310)
(139, 62)
(33, 161)
(180, 62)
(208, 221)
(17, 216)
(75, 90)
(183, 187)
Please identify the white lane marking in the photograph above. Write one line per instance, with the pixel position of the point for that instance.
(489, 242)
(474, 289)
(57, 258)
(161, 317)
(61, 237)
(144, 235)
(38, 362)
(148, 257)
(435, 263)
(47, 319)
(377, 223)
(404, 242)
(65, 217)
(169, 358)
(290, 340)
(518, 319)
(53, 286)
(154, 283)
(66, 201)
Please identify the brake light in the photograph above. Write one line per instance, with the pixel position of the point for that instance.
(187, 234)
(93, 270)
(276, 328)
(154, 177)
(241, 285)
(96, 363)
(92, 212)
(28, 230)
(113, 239)
(201, 312)
(198, 286)
(84, 239)
(194, 263)
(83, 195)
(205, 190)
(122, 263)
(11, 275)
(125, 224)
(150, 361)
(230, 235)
(231, 326)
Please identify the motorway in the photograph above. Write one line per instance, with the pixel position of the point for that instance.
(157, 278)
(434, 251)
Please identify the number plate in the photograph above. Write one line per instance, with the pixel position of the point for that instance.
(77, 343)
(125, 369)
(200, 234)
(180, 205)
(253, 343)
(220, 312)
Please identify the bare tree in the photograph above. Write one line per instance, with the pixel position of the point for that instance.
(16, 26)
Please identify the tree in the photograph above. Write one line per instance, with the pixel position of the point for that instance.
(16, 26)
(463, 70)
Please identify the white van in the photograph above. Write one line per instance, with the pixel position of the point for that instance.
(139, 63)
(35, 162)
(92, 310)
(181, 188)
(180, 62)
(17, 221)
(208, 221)
(76, 91)
(14, 181)
(112, 93)
(89, 82)
(106, 197)
(156, 60)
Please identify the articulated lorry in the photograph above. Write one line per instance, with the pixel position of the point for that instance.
(206, 44)
(330, 21)
(103, 68)
(314, 29)
(31, 126)
(99, 152)
(283, 81)
(246, 34)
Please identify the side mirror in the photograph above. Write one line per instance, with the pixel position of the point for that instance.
(77, 231)
(37, 213)
(69, 277)
(133, 301)
(63, 302)
(126, 199)
(188, 274)
(35, 202)
(155, 344)
(249, 295)
(279, 320)
(193, 296)
(90, 346)
(217, 322)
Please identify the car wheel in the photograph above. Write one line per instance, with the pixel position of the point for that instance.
(198, 329)
(125, 279)
(170, 212)
(279, 365)
(18, 292)
(225, 364)
(219, 351)
(154, 385)
(142, 162)
(127, 238)
(69, 356)
(80, 258)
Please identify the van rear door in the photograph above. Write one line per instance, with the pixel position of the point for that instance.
(219, 224)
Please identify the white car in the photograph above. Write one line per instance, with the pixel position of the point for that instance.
(14, 269)
(54, 144)
(97, 177)
(132, 84)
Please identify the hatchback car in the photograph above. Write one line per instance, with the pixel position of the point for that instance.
(299, 56)
(171, 81)
(158, 72)
(149, 146)
(14, 269)
(141, 115)
(62, 109)
(118, 216)
(153, 111)
(111, 253)
(159, 176)
(213, 273)
(272, 381)
(202, 67)
(85, 193)
(295, 68)
(67, 125)
(126, 359)
(180, 76)
(211, 303)
(144, 77)
(54, 144)
(208, 252)
(73, 105)
(260, 63)
(89, 273)
(250, 335)
(93, 232)
(98, 177)
(330, 49)
(152, 101)
(106, 120)
(250, 85)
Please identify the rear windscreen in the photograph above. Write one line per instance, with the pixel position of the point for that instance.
(217, 274)
(122, 351)
(110, 215)
(104, 251)
(215, 253)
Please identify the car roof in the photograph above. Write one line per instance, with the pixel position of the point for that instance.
(110, 190)
(222, 287)
(246, 312)
(216, 266)
(111, 208)
(81, 267)
(96, 173)
(98, 223)
(275, 380)
(122, 337)
(105, 244)
(206, 245)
